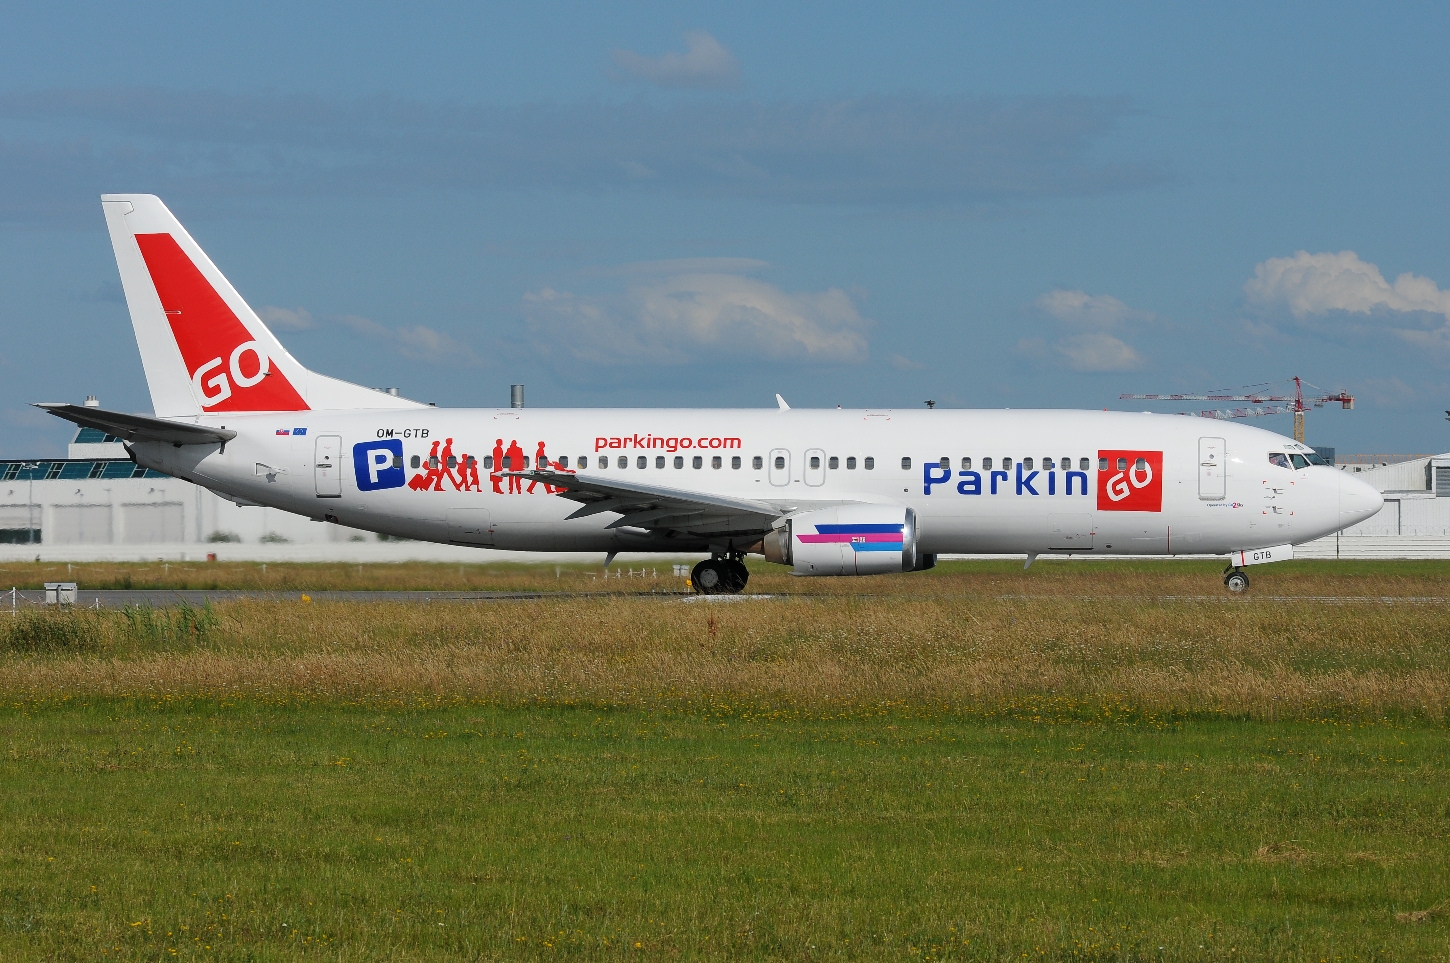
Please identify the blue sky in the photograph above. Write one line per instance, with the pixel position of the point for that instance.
(1027, 205)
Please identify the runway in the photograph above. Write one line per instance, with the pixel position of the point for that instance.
(164, 598)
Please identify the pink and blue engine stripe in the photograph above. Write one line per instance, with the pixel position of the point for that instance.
(862, 538)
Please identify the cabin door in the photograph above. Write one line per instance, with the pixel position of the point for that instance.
(1210, 469)
(327, 469)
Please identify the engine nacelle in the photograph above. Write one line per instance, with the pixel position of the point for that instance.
(849, 540)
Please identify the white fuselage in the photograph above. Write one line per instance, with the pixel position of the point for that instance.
(1201, 487)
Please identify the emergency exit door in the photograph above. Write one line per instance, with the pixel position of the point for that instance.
(1210, 469)
(327, 468)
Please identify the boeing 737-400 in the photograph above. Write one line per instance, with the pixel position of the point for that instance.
(825, 492)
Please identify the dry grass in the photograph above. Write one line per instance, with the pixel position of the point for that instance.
(1049, 655)
(1424, 915)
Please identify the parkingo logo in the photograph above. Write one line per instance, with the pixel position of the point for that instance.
(1131, 482)
(379, 464)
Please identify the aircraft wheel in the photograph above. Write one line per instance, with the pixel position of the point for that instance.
(709, 578)
(736, 575)
(1236, 582)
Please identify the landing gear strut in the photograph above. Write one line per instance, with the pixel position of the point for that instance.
(1235, 580)
(721, 575)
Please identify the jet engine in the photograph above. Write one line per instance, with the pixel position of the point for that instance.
(848, 540)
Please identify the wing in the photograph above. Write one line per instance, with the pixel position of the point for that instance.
(660, 509)
(139, 427)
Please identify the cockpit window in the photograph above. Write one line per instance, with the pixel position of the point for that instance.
(1280, 459)
(1315, 458)
(1299, 461)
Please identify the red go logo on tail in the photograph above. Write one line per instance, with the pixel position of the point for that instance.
(1131, 482)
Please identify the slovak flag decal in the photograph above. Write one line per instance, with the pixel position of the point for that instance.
(283, 431)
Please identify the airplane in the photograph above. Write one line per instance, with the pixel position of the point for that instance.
(830, 492)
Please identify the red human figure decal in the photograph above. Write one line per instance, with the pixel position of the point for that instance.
(445, 466)
(494, 475)
(474, 485)
(514, 458)
(541, 463)
(430, 480)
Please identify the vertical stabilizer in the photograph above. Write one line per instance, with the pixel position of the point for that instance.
(203, 348)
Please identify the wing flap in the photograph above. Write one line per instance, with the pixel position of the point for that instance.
(654, 507)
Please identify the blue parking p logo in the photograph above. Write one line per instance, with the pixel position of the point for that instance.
(379, 464)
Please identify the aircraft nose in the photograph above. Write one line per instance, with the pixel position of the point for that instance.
(1357, 501)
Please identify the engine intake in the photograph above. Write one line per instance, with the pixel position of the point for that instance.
(849, 540)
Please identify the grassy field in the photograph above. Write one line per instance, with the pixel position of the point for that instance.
(974, 578)
(1080, 761)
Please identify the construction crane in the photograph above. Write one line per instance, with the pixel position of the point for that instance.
(1272, 404)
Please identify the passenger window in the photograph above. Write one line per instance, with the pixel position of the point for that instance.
(1279, 459)
(398, 461)
(1047, 464)
(1067, 465)
(1006, 464)
(1027, 464)
(715, 462)
(966, 464)
(697, 462)
(987, 463)
(433, 461)
(623, 461)
(603, 461)
(1299, 461)
(1122, 464)
(1082, 464)
(1140, 464)
(734, 461)
(869, 464)
(834, 463)
(563, 461)
(583, 461)
(659, 461)
(779, 461)
(906, 464)
(418, 461)
(1102, 464)
(946, 463)
(641, 462)
(679, 461)
(851, 463)
(757, 463)
(452, 461)
(815, 461)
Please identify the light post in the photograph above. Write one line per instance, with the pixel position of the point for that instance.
(29, 468)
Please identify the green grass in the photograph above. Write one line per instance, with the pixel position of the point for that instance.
(285, 829)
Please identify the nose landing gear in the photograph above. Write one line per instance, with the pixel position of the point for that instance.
(721, 575)
(1235, 580)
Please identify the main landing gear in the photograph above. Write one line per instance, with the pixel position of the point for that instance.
(1235, 580)
(722, 575)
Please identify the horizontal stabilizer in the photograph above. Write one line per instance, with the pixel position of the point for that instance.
(139, 427)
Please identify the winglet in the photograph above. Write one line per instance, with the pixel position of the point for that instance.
(785, 407)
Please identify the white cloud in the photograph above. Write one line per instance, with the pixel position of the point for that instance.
(418, 342)
(705, 63)
(1315, 284)
(1097, 351)
(293, 319)
(902, 363)
(696, 316)
(1089, 351)
(1091, 310)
